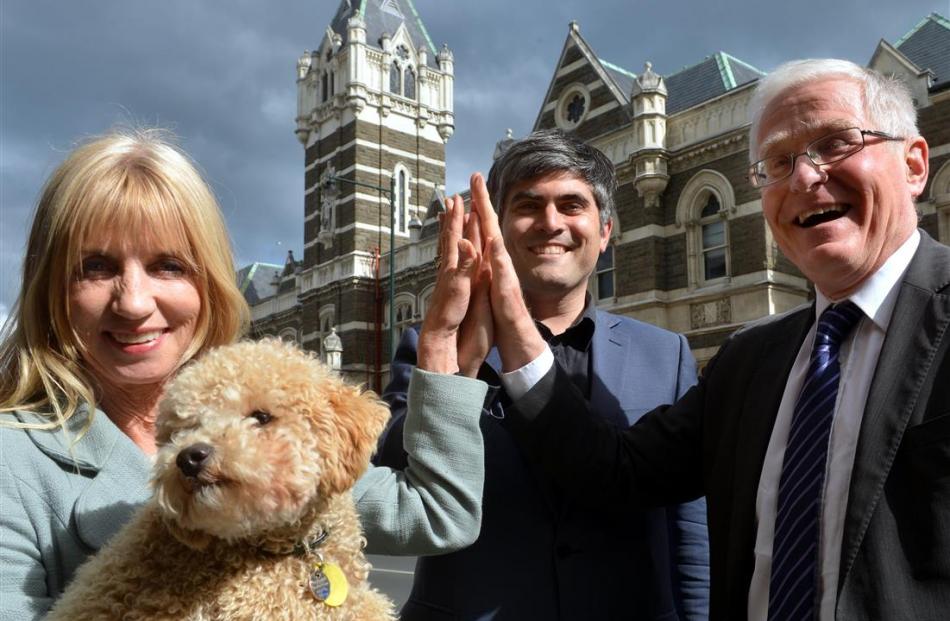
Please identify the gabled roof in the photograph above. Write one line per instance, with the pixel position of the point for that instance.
(622, 78)
(385, 16)
(258, 281)
(713, 76)
(608, 72)
(927, 45)
(709, 78)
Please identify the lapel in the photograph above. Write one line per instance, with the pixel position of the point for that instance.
(917, 327)
(764, 387)
(610, 346)
(116, 472)
(490, 373)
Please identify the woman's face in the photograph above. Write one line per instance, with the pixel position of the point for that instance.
(135, 306)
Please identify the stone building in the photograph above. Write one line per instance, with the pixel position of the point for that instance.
(690, 249)
(374, 112)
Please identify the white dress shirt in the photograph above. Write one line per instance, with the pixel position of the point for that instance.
(859, 355)
(858, 359)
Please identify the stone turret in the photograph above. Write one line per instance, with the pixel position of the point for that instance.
(648, 100)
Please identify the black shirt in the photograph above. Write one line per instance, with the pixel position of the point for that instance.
(571, 348)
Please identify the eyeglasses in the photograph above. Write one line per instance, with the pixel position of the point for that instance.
(828, 149)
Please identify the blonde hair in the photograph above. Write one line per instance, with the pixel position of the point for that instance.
(129, 183)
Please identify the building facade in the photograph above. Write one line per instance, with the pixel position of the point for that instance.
(690, 248)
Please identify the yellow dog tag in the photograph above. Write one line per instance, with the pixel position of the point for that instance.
(328, 584)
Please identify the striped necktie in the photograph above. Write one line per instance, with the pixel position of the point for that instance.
(793, 586)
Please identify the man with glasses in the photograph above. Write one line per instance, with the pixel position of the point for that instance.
(820, 437)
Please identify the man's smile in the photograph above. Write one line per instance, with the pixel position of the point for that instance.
(822, 214)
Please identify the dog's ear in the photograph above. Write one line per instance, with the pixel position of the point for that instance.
(358, 421)
(194, 539)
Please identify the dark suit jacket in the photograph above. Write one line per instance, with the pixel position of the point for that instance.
(895, 561)
(543, 556)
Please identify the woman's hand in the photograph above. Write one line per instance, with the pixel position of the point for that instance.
(458, 262)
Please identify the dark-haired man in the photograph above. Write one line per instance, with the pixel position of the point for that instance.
(541, 553)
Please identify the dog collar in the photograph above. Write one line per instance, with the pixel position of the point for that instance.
(309, 546)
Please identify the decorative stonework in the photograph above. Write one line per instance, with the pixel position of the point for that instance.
(711, 151)
(725, 113)
(572, 107)
(709, 314)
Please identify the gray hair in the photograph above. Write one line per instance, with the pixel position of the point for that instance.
(553, 151)
(886, 100)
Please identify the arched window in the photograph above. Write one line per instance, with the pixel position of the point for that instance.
(327, 314)
(401, 199)
(409, 87)
(713, 236)
(403, 317)
(402, 75)
(425, 297)
(325, 86)
(395, 79)
(288, 335)
(401, 216)
(605, 274)
(940, 197)
(703, 210)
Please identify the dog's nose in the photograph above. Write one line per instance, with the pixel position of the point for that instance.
(192, 459)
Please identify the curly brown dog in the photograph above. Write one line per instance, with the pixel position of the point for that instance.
(251, 516)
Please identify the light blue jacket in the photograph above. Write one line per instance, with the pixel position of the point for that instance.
(59, 504)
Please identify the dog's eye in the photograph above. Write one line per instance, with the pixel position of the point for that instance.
(261, 417)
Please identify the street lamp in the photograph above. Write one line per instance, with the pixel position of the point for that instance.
(329, 185)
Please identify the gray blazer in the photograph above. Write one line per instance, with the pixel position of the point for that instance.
(61, 503)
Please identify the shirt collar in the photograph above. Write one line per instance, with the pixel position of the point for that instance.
(877, 296)
(580, 332)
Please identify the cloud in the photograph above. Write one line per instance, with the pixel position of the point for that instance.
(224, 80)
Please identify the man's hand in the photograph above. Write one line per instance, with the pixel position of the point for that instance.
(516, 336)
(458, 260)
(477, 332)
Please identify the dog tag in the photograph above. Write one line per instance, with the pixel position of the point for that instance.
(328, 584)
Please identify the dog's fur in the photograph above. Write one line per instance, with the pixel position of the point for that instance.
(221, 544)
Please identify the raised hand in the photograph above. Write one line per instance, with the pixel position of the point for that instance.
(516, 336)
(438, 340)
(477, 333)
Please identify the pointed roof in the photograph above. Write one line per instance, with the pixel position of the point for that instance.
(709, 78)
(927, 45)
(258, 281)
(715, 75)
(614, 77)
(622, 78)
(385, 16)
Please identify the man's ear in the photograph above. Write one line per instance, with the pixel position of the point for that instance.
(605, 234)
(918, 165)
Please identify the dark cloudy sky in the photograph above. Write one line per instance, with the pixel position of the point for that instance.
(220, 74)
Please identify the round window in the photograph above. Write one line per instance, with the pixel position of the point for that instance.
(572, 107)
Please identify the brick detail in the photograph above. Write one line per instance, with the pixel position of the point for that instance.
(934, 123)
(747, 244)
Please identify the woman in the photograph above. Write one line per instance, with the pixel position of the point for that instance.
(129, 275)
